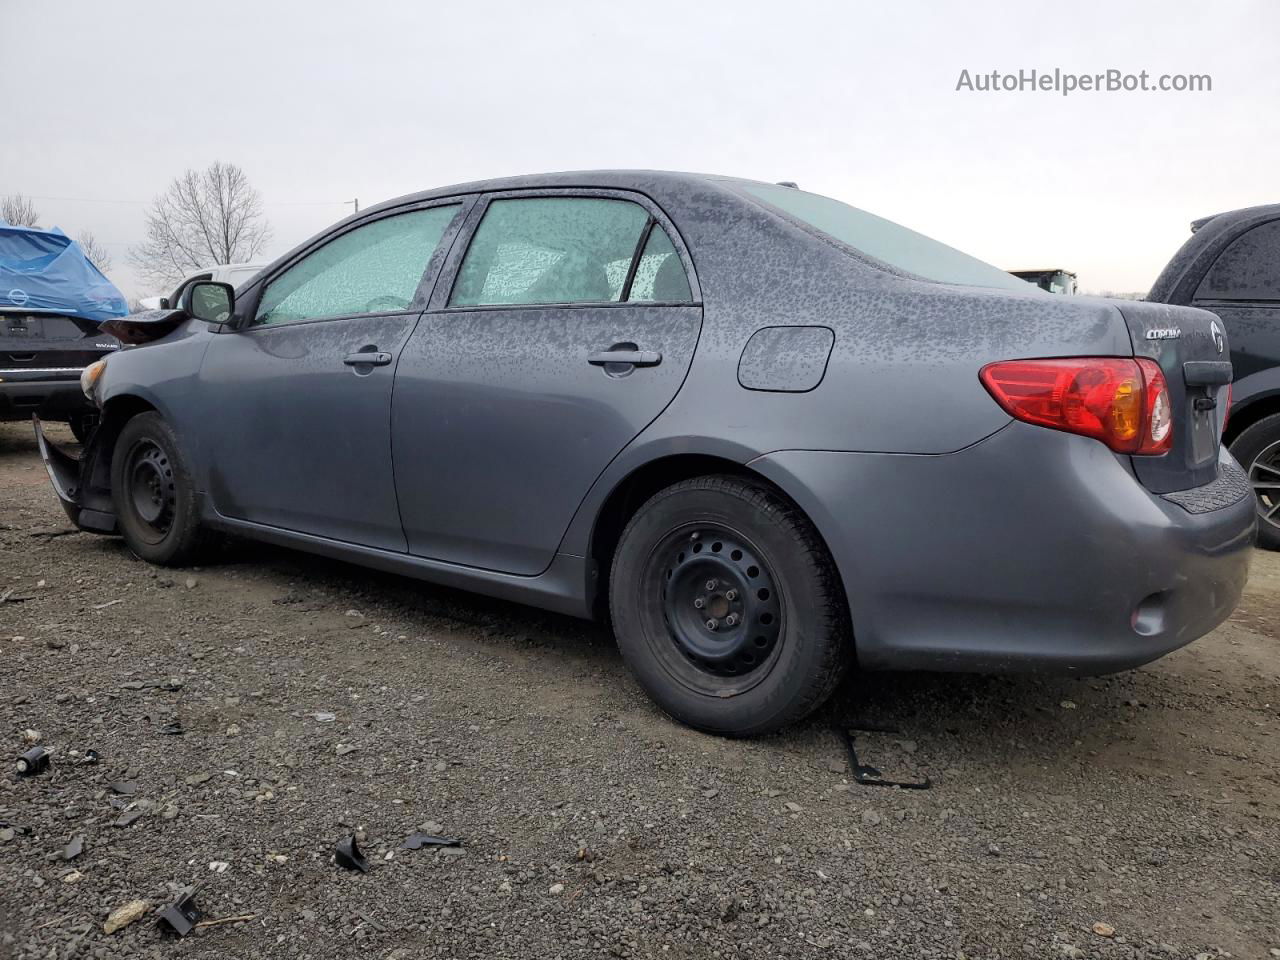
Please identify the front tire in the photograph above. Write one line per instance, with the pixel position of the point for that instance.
(153, 493)
(1258, 450)
(728, 608)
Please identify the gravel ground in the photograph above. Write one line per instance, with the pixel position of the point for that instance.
(318, 699)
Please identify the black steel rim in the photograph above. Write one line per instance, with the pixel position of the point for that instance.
(152, 493)
(1264, 477)
(721, 606)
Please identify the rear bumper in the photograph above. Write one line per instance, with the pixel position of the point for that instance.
(51, 394)
(1033, 550)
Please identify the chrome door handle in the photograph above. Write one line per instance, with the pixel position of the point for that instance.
(368, 359)
(637, 358)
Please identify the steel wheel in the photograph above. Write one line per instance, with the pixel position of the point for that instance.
(152, 495)
(722, 608)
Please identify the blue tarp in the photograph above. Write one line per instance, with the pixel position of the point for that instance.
(46, 271)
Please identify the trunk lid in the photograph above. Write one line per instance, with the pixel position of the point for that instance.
(1191, 348)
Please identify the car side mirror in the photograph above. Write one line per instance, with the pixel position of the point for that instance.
(208, 300)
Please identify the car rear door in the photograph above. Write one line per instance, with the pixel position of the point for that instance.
(299, 396)
(561, 329)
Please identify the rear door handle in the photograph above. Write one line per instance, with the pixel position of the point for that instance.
(637, 358)
(368, 359)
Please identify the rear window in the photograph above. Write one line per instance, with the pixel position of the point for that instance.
(885, 240)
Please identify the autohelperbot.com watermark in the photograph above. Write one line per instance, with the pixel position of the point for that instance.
(1065, 82)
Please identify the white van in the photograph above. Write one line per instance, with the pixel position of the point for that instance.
(236, 274)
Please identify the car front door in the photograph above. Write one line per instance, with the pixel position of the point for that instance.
(565, 327)
(299, 395)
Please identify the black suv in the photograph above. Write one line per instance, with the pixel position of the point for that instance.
(52, 299)
(41, 358)
(1231, 266)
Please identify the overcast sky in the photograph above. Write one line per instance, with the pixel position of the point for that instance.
(321, 101)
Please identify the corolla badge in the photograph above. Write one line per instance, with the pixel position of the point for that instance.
(1219, 340)
(1164, 333)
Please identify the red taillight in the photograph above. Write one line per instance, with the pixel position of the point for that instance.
(1122, 402)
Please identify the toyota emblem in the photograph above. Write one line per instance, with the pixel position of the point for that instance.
(1219, 340)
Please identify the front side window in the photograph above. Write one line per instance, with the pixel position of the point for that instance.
(375, 268)
(535, 250)
(884, 240)
(1249, 269)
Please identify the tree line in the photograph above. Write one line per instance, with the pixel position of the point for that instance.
(202, 219)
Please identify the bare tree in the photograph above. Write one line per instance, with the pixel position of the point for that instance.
(204, 218)
(19, 211)
(94, 250)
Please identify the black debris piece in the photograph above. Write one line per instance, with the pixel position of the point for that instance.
(74, 848)
(172, 729)
(181, 916)
(91, 757)
(35, 760)
(869, 776)
(348, 856)
(417, 840)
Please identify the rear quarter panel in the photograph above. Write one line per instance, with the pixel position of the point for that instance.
(902, 375)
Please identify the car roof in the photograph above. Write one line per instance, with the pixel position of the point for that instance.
(1181, 276)
(1241, 214)
(610, 179)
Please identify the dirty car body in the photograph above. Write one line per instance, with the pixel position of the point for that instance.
(811, 394)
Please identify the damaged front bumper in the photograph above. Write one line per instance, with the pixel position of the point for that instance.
(82, 489)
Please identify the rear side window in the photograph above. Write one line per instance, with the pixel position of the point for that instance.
(885, 240)
(660, 275)
(554, 250)
(375, 268)
(1249, 269)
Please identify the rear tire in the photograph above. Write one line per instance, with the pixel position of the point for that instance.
(1258, 450)
(153, 493)
(728, 608)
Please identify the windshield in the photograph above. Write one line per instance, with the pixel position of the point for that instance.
(885, 240)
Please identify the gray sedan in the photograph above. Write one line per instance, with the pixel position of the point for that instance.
(766, 433)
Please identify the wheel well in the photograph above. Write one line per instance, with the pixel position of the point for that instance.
(115, 414)
(631, 493)
(1243, 418)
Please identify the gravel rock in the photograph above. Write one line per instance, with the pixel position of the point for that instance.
(125, 914)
